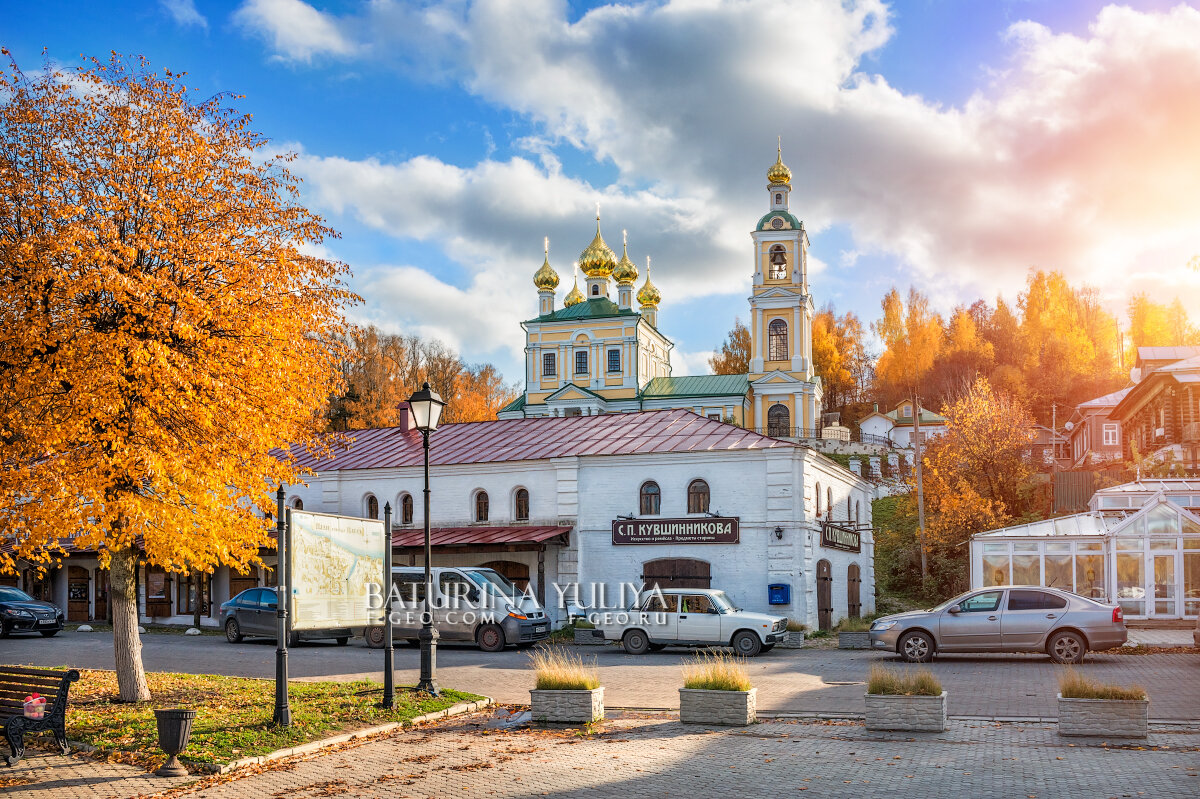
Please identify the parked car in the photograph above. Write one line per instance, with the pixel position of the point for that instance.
(1007, 618)
(469, 603)
(690, 617)
(253, 613)
(21, 613)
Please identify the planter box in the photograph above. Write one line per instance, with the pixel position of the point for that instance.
(568, 707)
(728, 708)
(794, 641)
(913, 713)
(854, 640)
(1107, 718)
(585, 638)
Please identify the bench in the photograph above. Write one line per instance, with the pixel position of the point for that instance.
(16, 683)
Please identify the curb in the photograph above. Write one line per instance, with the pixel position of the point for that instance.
(314, 746)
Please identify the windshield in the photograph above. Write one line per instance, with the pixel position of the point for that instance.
(724, 602)
(494, 583)
(948, 602)
(14, 595)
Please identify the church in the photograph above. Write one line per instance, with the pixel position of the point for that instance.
(593, 355)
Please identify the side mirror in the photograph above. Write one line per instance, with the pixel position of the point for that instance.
(954, 609)
(473, 595)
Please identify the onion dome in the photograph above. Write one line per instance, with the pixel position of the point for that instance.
(648, 294)
(626, 271)
(779, 173)
(598, 260)
(546, 279)
(574, 296)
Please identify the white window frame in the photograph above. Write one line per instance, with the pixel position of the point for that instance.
(1115, 430)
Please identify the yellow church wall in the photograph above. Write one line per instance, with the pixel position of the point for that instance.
(764, 262)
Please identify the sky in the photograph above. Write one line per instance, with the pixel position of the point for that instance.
(950, 145)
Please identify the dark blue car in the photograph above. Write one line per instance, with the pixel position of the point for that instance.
(21, 613)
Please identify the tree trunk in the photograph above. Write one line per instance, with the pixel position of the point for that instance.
(198, 587)
(127, 645)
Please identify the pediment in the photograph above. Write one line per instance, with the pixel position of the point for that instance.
(776, 377)
(777, 291)
(573, 392)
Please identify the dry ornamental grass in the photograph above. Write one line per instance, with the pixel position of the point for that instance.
(885, 682)
(559, 670)
(716, 671)
(1073, 685)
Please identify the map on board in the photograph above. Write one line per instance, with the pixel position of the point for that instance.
(333, 561)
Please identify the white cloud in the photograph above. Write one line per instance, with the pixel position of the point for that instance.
(295, 30)
(184, 12)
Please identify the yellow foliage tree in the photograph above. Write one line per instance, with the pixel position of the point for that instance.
(912, 339)
(733, 356)
(161, 330)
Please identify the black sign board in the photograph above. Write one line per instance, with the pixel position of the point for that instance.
(844, 538)
(675, 531)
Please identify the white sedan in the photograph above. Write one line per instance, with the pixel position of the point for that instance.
(690, 617)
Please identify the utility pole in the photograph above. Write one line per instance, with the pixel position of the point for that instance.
(920, 485)
(1054, 456)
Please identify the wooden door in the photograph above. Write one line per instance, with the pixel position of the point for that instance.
(517, 572)
(240, 582)
(677, 573)
(100, 595)
(853, 592)
(77, 593)
(824, 595)
(8, 579)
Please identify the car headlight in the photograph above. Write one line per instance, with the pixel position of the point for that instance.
(880, 626)
(18, 613)
(516, 614)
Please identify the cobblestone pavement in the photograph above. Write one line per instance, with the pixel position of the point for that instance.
(41, 775)
(802, 680)
(660, 757)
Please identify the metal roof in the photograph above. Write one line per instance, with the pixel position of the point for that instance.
(1092, 523)
(455, 536)
(1168, 485)
(697, 386)
(593, 308)
(1166, 353)
(673, 430)
(1108, 399)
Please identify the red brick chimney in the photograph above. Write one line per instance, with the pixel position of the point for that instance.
(407, 422)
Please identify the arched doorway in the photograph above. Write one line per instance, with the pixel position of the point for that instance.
(824, 595)
(517, 572)
(677, 573)
(853, 594)
(77, 593)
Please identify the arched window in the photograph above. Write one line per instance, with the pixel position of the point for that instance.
(522, 506)
(857, 508)
(596, 290)
(650, 499)
(698, 497)
(829, 502)
(778, 420)
(406, 509)
(778, 199)
(372, 507)
(818, 499)
(777, 343)
(848, 506)
(481, 506)
(298, 504)
(778, 260)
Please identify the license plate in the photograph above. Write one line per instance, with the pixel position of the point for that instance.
(541, 628)
(47, 623)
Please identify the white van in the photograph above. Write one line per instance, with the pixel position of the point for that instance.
(469, 603)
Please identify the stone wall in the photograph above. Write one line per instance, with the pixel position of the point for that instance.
(567, 707)
(1110, 718)
(860, 640)
(916, 713)
(729, 708)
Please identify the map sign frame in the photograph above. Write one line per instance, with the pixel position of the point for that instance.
(331, 561)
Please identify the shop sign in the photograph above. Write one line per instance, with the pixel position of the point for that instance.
(843, 538)
(675, 531)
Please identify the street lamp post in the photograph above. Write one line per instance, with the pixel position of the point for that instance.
(426, 408)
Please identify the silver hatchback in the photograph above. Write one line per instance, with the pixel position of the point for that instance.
(1005, 618)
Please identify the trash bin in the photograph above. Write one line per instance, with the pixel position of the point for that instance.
(779, 594)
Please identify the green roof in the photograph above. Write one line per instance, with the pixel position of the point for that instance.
(927, 417)
(589, 309)
(766, 220)
(697, 386)
(516, 405)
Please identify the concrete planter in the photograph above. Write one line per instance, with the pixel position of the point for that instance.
(794, 641)
(585, 638)
(854, 640)
(912, 713)
(568, 707)
(727, 708)
(1107, 718)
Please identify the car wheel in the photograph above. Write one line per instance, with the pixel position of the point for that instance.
(490, 638)
(233, 632)
(1066, 648)
(768, 647)
(916, 648)
(293, 639)
(636, 642)
(342, 640)
(374, 637)
(746, 644)
(3, 630)
(48, 633)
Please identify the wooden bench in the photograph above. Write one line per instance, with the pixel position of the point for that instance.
(16, 683)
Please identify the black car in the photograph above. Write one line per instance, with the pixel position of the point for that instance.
(252, 613)
(21, 613)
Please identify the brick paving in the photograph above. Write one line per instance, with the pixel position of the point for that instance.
(55, 776)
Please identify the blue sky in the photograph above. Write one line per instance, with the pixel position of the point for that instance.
(947, 144)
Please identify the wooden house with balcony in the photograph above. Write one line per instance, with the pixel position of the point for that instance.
(1160, 415)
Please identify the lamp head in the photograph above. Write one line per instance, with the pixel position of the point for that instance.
(426, 407)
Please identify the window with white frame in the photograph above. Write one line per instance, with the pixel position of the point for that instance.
(1112, 434)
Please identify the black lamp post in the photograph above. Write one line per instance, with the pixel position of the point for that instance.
(426, 408)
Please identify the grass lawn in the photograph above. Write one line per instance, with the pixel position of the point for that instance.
(233, 718)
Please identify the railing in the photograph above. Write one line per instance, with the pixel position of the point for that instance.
(814, 434)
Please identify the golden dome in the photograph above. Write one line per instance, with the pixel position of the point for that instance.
(648, 294)
(626, 271)
(779, 173)
(574, 296)
(598, 259)
(546, 279)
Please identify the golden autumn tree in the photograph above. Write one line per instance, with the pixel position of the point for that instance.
(912, 338)
(839, 357)
(733, 356)
(161, 329)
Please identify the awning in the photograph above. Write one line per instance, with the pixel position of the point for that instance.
(480, 536)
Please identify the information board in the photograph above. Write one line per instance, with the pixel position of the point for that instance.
(332, 560)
